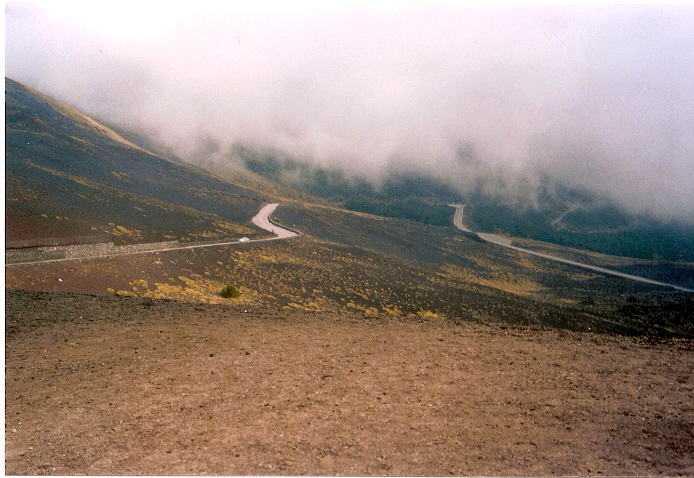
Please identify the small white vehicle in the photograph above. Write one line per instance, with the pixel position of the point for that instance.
(244, 239)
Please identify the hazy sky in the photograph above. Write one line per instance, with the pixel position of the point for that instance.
(600, 97)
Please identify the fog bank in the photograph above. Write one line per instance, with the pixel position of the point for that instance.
(596, 97)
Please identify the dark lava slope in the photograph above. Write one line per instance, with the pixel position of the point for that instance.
(68, 175)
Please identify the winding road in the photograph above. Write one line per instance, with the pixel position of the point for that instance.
(505, 242)
(262, 220)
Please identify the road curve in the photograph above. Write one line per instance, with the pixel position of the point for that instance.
(458, 217)
(262, 220)
(458, 222)
(505, 242)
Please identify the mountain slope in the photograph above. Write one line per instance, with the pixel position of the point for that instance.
(68, 175)
(547, 211)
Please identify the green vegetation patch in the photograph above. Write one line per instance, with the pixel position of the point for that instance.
(230, 291)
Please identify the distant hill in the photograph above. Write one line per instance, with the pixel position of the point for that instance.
(562, 215)
(602, 229)
(408, 196)
(386, 249)
(69, 175)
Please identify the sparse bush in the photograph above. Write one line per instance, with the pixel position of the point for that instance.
(230, 292)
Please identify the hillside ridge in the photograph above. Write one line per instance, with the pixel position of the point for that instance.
(64, 180)
(66, 175)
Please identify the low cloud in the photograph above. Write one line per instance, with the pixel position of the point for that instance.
(596, 97)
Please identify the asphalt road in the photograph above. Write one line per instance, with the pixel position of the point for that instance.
(262, 220)
(458, 218)
(458, 222)
(506, 242)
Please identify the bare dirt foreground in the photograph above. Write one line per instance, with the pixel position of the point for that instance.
(123, 385)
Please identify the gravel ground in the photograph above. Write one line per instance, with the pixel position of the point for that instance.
(123, 385)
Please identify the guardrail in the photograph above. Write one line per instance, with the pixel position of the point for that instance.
(275, 223)
(56, 241)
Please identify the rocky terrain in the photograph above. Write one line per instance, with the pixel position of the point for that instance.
(123, 385)
(367, 345)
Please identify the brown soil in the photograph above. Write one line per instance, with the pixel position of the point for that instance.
(123, 385)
